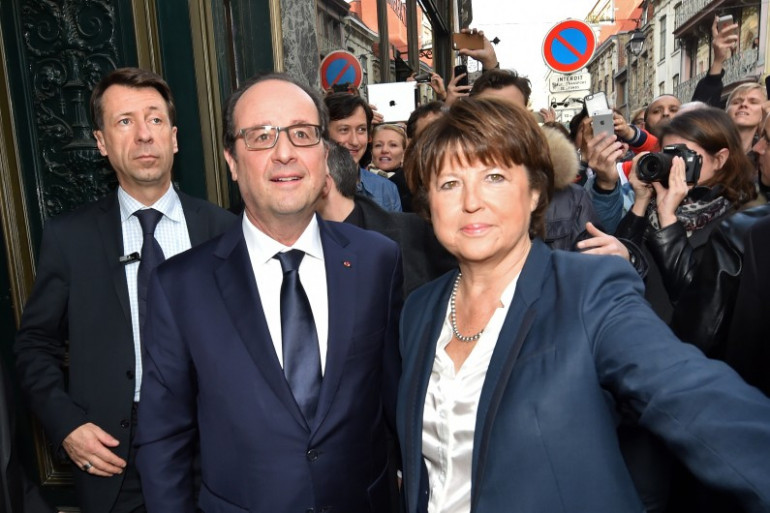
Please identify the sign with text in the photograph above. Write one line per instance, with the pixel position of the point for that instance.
(561, 83)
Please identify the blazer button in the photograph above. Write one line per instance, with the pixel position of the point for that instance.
(124, 424)
(312, 455)
(130, 374)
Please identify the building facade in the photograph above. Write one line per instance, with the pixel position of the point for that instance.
(692, 26)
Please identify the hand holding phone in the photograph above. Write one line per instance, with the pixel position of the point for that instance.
(467, 40)
(462, 69)
(724, 21)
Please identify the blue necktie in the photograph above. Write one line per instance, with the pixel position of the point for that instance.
(301, 356)
(152, 255)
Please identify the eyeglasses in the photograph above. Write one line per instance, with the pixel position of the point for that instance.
(266, 136)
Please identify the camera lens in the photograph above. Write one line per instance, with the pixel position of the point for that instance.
(654, 167)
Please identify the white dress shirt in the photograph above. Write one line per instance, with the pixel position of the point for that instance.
(171, 233)
(449, 418)
(269, 277)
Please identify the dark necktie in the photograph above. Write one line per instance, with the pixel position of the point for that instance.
(152, 255)
(301, 356)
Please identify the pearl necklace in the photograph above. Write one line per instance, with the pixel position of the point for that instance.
(453, 315)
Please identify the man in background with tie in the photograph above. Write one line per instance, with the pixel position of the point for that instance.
(274, 345)
(89, 298)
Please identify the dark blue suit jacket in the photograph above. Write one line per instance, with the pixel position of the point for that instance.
(211, 373)
(579, 342)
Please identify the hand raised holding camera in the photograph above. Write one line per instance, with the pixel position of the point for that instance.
(669, 198)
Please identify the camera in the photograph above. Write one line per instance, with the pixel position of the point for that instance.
(422, 78)
(655, 167)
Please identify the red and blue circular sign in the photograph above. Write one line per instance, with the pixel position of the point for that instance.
(340, 67)
(568, 46)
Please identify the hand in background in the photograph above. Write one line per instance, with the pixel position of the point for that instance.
(602, 154)
(601, 243)
(643, 191)
(455, 91)
(486, 55)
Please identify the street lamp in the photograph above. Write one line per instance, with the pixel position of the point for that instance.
(635, 45)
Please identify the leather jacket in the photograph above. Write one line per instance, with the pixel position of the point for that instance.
(671, 257)
(704, 309)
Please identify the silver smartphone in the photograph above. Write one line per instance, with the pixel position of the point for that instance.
(724, 21)
(602, 122)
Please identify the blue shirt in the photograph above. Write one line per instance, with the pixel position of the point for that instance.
(380, 189)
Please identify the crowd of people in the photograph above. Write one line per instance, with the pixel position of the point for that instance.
(466, 311)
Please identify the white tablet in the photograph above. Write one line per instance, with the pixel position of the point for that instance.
(394, 100)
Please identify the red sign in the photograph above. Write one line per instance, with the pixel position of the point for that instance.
(568, 46)
(339, 68)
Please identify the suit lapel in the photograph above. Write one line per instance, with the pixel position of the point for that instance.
(513, 334)
(238, 287)
(197, 227)
(111, 235)
(341, 277)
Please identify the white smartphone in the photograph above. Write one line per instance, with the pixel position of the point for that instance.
(602, 122)
(596, 103)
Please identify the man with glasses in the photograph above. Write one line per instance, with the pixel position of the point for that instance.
(273, 347)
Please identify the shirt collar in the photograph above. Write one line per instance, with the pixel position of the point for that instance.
(168, 204)
(262, 247)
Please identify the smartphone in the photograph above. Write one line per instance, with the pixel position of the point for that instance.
(601, 122)
(459, 70)
(467, 41)
(724, 21)
(596, 102)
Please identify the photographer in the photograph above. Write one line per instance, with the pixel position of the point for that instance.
(675, 210)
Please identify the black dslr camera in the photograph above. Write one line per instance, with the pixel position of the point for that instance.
(655, 167)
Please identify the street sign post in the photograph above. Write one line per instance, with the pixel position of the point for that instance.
(341, 67)
(568, 46)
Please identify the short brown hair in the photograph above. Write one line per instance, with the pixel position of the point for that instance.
(500, 78)
(487, 131)
(135, 78)
(712, 129)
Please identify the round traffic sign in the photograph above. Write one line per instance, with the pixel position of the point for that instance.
(568, 46)
(340, 67)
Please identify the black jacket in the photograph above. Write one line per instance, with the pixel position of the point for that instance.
(704, 312)
(423, 258)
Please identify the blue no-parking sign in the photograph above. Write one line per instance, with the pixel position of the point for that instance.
(568, 46)
(340, 67)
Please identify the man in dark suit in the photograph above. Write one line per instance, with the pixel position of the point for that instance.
(285, 372)
(87, 296)
(423, 257)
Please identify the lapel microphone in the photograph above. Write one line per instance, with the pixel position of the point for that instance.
(130, 258)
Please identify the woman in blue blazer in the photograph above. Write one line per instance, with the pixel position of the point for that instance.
(515, 367)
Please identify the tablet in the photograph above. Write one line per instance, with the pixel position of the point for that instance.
(394, 100)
